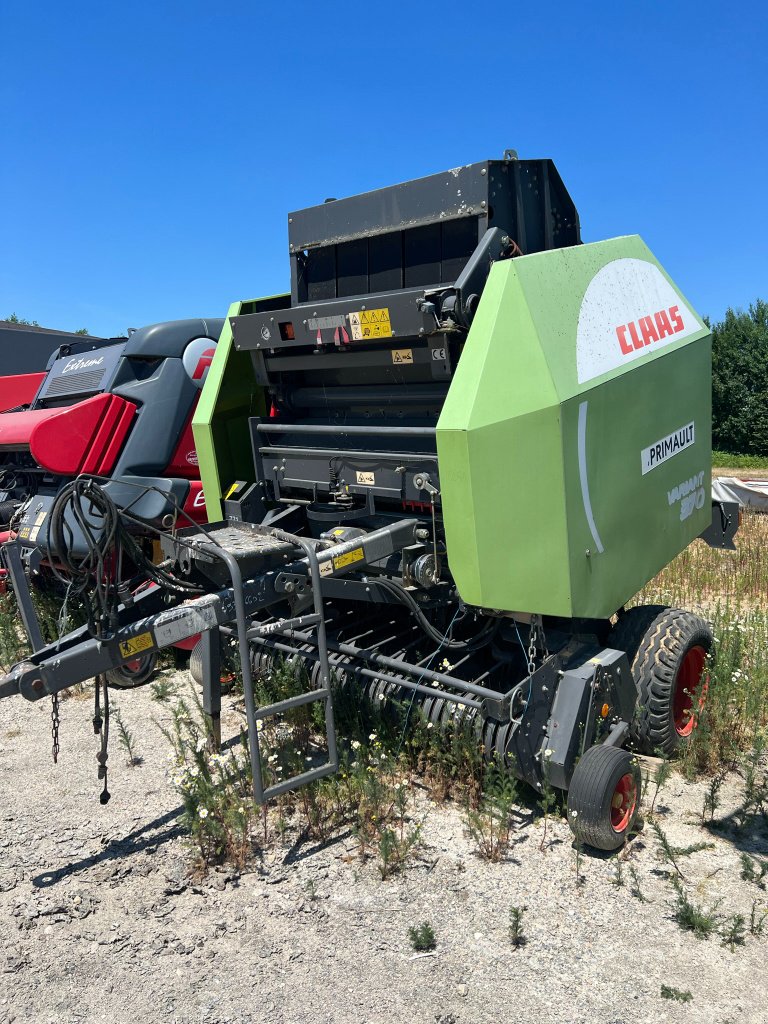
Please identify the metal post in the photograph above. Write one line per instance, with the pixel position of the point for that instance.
(11, 554)
(210, 649)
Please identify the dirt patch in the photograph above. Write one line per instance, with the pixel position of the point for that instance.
(102, 920)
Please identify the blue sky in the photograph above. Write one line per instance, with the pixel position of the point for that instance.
(152, 151)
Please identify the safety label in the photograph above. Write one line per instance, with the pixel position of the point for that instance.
(180, 623)
(365, 478)
(38, 523)
(325, 323)
(137, 644)
(402, 355)
(370, 323)
(326, 568)
(349, 558)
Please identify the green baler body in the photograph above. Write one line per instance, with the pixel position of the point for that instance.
(220, 423)
(574, 447)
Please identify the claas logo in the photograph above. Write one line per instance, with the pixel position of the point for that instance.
(648, 329)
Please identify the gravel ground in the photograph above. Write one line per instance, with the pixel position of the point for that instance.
(102, 918)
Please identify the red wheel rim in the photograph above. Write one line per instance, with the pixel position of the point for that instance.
(690, 691)
(623, 802)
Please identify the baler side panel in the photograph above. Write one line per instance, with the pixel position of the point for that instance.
(229, 398)
(585, 382)
(642, 520)
(504, 522)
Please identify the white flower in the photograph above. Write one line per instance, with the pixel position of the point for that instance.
(355, 744)
(272, 758)
(548, 752)
(574, 814)
(194, 771)
(259, 725)
(381, 696)
(372, 737)
(202, 813)
(430, 725)
(177, 780)
(200, 745)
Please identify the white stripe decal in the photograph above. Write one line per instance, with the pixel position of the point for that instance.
(583, 476)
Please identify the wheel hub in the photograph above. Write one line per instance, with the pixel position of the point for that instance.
(690, 689)
(623, 802)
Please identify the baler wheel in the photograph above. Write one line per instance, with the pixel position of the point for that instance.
(604, 797)
(667, 649)
(133, 673)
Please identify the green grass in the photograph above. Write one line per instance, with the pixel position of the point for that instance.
(720, 459)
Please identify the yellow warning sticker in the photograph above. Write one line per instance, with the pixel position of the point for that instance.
(349, 558)
(230, 492)
(365, 478)
(38, 523)
(370, 323)
(137, 644)
(402, 355)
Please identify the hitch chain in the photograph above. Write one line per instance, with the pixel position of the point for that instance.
(536, 640)
(55, 727)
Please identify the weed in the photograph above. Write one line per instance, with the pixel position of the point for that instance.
(755, 800)
(422, 937)
(676, 994)
(548, 798)
(490, 825)
(397, 843)
(580, 878)
(661, 778)
(757, 920)
(127, 740)
(516, 934)
(753, 870)
(215, 788)
(690, 916)
(733, 932)
(666, 849)
(617, 878)
(311, 890)
(635, 889)
(712, 798)
(162, 690)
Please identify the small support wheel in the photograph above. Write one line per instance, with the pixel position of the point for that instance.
(133, 673)
(667, 650)
(604, 797)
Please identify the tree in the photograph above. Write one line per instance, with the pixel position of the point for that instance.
(740, 381)
(14, 319)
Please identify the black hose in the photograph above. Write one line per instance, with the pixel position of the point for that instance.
(412, 604)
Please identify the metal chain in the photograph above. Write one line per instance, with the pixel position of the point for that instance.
(532, 647)
(55, 727)
(537, 639)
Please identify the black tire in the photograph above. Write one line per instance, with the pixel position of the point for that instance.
(602, 776)
(134, 673)
(667, 649)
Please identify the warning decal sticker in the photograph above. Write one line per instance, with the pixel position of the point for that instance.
(348, 559)
(402, 355)
(370, 323)
(137, 644)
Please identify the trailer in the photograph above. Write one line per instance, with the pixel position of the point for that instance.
(463, 433)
